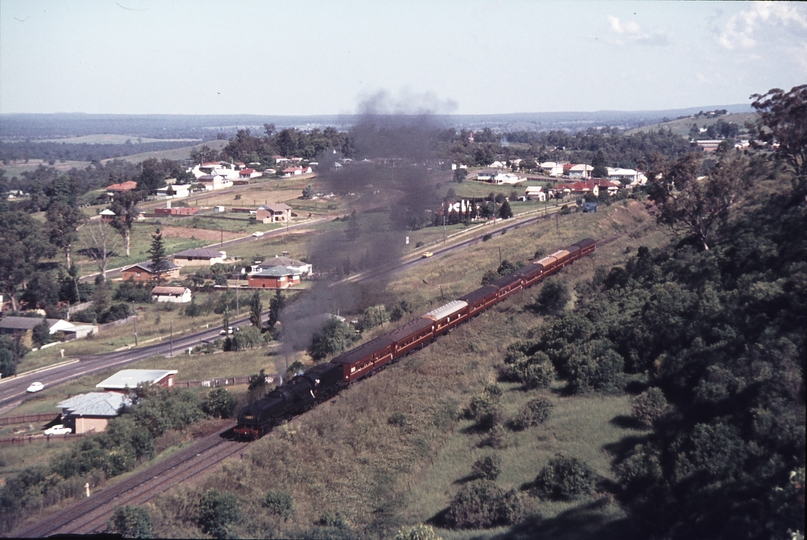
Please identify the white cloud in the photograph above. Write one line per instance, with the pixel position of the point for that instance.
(631, 32)
(745, 29)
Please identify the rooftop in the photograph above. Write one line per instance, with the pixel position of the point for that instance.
(131, 378)
(95, 404)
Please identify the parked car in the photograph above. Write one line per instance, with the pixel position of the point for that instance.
(58, 429)
(35, 387)
(257, 234)
(427, 254)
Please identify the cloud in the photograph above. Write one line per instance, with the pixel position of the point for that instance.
(764, 21)
(630, 32)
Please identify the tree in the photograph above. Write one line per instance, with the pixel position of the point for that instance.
(460, 175)
(40, 334)
(334, 337)
(783, 120)
(504, 211)
(23, 246)
(100, 244)
(159, 260)
(308, 192)
(276, 305)
(598, 163)
(421, 531)
(487, 467)
(63, 220)
(256, 311)
(565, 479)
(218, 512)
(220, 403)
(553, 297)
(125, 208)
(481, 504)
(131, 522)
(693, 205)
(534, 413)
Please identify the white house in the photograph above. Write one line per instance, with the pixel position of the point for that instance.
(179, 191)
(304, 269)
(199, 257)
(581, 170)
(175, 295)
(215, 182)
(536, 193)
(551, 168)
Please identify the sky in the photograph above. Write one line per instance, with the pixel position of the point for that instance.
(310, 57)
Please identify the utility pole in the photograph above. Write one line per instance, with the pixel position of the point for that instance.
(500, 255)
(444, 227)
(134, 313)
(221, 242)
(171, 354)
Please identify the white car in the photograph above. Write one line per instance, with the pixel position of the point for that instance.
(257, 234)
(58, 429)
(35, 387)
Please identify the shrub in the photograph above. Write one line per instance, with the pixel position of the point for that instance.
(129, 291)
(131, 522)
(279, 503)
(481, 504)
(420, 531)
(219, 403)
(115, 313)
(649, 406)
(552, 298)
(487, 468)
(218, 511)
(535, 412)
(565, 479)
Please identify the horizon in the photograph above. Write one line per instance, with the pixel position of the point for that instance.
(447, 57)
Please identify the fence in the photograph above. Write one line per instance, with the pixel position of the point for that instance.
(213, 383)
(25, 418)
(26, 439)
(102, 327)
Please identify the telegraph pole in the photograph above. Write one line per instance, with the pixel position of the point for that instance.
(171, 354)
(134, 313)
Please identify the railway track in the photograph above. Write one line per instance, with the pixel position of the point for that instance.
(91, 514)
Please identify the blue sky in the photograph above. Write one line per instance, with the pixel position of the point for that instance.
(449, 56)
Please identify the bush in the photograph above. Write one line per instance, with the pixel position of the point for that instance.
(487, 468)
(115, 313)
(481, 504)
(218, 512)
(565, 479)
(534, 413)
(373, 316)
(334, 337)
(131, 522)
(552, 298)
(420, 531)
(279, 503)
(220, 403)
(129, 291)
(649, 406)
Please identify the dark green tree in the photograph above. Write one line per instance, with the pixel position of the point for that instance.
(40, 334)
(256, 311)
(159, 260)
(218, 512)
(24, 245)
(279, 503)
(783, 120)
(565, 479)
(62, 223)
(220, 403)
(460, 175)
(334, 337)
(131, 522)
(276, 305)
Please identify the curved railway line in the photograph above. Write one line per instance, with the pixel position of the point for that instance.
(90, 515)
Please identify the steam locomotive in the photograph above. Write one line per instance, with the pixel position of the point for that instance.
(324, 381)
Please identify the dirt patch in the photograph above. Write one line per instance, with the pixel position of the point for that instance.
(198, 234)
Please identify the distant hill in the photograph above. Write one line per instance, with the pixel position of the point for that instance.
(206, 127)
(176, 154)
(682, 126)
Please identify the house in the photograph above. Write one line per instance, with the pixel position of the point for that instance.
(214, 182)
(579, 189)
(486, 176)
(708, 145)
(580, 170)
(175, 295)
(276, 277)
(498, 165)
(129, 379)
(551, 168)
(288, 172)
(604, 185)
(91, 412)
(215, 168)
(304, 269)
(273, 213)
(624, 176)
(107, 216)
(174, 191)
(248, 173)
(23, 327)
(114, 189)
(143, 272)
(536, 193)
(200, 257)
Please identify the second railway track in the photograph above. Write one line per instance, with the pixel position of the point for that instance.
(91, 514)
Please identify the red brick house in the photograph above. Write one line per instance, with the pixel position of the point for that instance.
(143, 272)
(276, 277)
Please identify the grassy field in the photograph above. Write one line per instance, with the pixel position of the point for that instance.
(681, 127)
(379, 475)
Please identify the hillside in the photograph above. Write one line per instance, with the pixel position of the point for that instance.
(683, 125)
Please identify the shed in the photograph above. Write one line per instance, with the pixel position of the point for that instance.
(176, 295)
(199, 257)
(129, 379)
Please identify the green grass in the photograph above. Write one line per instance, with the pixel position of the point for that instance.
(380, 476)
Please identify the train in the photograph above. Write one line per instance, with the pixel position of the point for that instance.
(323, 381)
